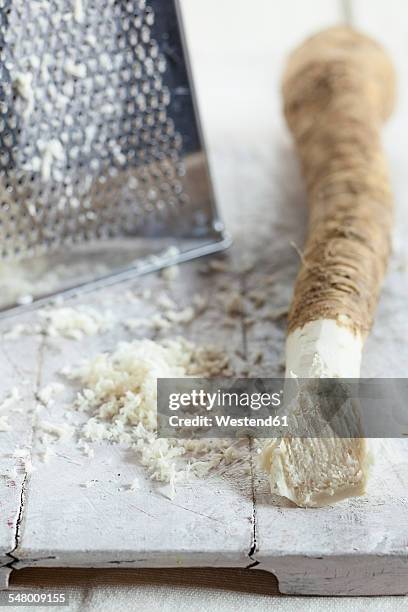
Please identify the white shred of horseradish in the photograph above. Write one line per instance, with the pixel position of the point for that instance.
(47, 394)
(119, 397)
(170, 273)
(333, 462)
(75, 323)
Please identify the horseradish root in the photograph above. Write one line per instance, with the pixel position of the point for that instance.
(338, 88)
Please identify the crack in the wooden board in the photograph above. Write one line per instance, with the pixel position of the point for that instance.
(24, 484)
(19, 520)
(254, 545)
(253, 548)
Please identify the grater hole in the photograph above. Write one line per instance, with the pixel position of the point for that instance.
(108, 123)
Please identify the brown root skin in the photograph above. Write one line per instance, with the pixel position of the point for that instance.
(338, 88)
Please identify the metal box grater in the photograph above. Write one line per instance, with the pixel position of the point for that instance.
(103, 172)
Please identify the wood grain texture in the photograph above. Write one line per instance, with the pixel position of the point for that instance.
(19, 365)
(338, 550)
(66, 523)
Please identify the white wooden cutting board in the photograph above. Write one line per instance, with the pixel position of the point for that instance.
(48, 518)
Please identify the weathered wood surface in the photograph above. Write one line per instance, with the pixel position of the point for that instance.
(68, 524)
(356, 547)
(20, 362)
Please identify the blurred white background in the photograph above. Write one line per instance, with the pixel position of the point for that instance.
(238, 50)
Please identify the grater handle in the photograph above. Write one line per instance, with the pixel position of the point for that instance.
(338, 88)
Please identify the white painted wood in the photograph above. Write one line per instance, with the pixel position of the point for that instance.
(209, 523)
(18, 367)
(238, 52)
(341, 575)
(343, 549)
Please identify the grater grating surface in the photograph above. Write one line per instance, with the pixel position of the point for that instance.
(101, 158)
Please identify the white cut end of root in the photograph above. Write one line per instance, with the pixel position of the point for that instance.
(314, 472)
(320, 470)
(323, 349)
